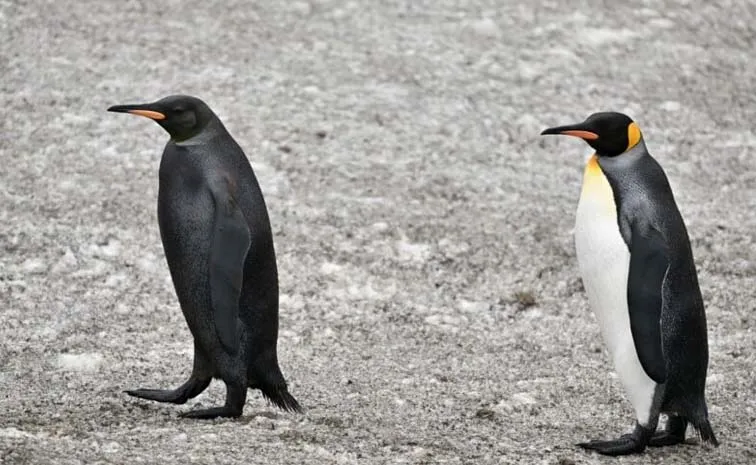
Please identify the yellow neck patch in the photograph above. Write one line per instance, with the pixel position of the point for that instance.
(633, 135)
(596, 189)
(592, 168)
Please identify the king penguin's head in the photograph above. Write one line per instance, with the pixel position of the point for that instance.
(609, 133)
(181, 115)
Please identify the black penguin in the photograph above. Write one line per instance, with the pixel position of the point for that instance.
(638, 270)
(218, 243)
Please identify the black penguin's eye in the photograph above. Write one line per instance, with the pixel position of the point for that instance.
(184, 116)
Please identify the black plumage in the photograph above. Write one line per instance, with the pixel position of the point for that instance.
(217, 239)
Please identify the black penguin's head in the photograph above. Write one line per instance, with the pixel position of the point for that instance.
(609, 133)
(181, 115)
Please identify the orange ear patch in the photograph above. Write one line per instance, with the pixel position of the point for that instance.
(587, 135)
(156, 115)
(633, 135)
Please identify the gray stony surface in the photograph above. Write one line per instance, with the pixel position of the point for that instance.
(431, 310)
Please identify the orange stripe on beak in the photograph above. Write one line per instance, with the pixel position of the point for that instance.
(156, 115)
(587, 135)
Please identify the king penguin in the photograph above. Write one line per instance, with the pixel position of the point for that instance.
(218, 243)
(637, 266)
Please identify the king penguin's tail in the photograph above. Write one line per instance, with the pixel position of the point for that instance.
(702, 425)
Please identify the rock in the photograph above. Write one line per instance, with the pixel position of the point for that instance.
(86, 362)
(408, 251)
(486, 414)
(33, 266)
(485, 27)
(66, 263)
(301, 8)
(670, 105)
(523, 398)
(330, 268)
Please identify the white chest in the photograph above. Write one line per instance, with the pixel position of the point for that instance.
(603, 256)
(604, 262)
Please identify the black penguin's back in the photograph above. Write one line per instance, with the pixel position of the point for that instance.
(218, 243)
(258, 299)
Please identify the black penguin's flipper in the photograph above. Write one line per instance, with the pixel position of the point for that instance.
(228, 251)
(648, 268)
(626, 444)
(190, 389)
(673, 433)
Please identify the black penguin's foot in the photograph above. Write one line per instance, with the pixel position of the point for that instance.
(213, 412)
(627, 444)
(192, 388)
(236, 395)
(674, 433)
(665, 438)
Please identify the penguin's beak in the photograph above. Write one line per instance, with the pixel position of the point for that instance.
(575, 130)
(141, 110)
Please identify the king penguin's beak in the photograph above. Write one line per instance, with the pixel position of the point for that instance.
(141, 110)
(576, 130)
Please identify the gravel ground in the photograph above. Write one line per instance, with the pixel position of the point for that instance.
(431, 308)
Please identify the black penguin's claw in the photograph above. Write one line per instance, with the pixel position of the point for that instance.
(625, 445)
(213, 412)
(173, 396)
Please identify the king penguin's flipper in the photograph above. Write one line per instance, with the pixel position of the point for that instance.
(648, 268)
(230, 244)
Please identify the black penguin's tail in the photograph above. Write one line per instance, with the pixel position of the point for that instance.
(280, 397)
(269, 379)
(702, 425)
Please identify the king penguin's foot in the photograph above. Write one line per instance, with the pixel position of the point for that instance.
(236, 395)
(674, 433)
(190, 389)
(627, 444)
